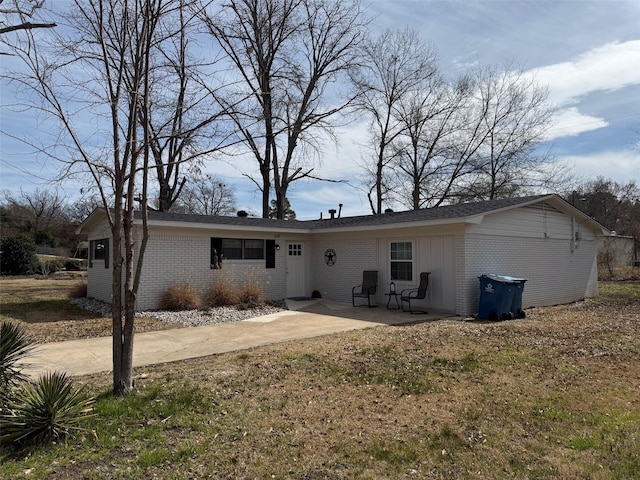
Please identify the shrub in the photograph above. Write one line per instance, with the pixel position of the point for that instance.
(46, 267)
(222, 293)
(18, 255)
(180, 297)
(79, 290)
(251, 293)
(14, 346)
(47, 410)
(75, 264)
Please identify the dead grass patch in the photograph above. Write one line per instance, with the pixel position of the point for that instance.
(251, 292)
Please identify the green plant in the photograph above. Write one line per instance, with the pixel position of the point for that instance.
(18, 255)
(222, 293)
(47, 410)
(180, 297)
(46, 267)
(14, 346)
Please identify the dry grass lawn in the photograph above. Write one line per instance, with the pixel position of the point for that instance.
(553, 396)
(41, 306)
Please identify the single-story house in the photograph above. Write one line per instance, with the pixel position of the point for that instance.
(541, 238)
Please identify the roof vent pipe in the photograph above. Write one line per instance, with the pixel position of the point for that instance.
(340, 210)
(332, 212)
(388, 210)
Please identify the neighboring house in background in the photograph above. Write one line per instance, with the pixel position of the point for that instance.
(616, 251)
(541, 238)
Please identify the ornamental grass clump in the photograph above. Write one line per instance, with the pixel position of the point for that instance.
(251, 293)
(222, 293)
(180, 297)
(45, 411)
(79, 290)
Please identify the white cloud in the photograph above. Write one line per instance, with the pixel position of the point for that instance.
(570, 122)
(620, 166)
(606, 68)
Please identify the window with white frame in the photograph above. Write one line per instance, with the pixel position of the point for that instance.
(401, 261)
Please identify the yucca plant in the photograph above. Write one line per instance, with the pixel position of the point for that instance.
(14, 346)
(47, 410)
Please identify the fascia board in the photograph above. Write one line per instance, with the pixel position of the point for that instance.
(219, 226)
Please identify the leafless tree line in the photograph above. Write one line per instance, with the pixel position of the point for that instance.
(435, 140)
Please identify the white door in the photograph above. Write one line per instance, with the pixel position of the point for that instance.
(296, 284)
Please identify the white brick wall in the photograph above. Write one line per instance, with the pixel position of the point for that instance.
(353, 256)
(185, 259)
(555, 274)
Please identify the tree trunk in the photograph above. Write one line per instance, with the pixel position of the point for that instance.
(119, 371)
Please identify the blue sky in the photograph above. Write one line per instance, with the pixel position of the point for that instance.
(587, 52)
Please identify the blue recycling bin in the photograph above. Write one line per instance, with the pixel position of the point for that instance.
(516, 303)
(500, 297)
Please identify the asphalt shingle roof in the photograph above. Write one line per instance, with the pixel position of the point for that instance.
(447, 212)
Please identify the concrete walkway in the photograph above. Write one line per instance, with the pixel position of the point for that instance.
(304, 319)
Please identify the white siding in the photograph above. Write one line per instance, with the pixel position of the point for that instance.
(436, 254)
(536, 242)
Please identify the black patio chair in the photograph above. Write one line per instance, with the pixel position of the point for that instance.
(367, 289)
(409, 294)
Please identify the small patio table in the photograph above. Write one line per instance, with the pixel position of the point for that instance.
(393, 295)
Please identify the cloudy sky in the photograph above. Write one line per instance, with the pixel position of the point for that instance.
(587, 52)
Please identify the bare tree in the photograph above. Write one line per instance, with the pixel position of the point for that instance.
(78, 210)
(393, 66)
(475, 139)
(425, 166)
(206, 195)
(103, 77)
(287, 55)
(183, 126)
(23, 11)
(613, 204)
(508, 116)
(36, 210)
